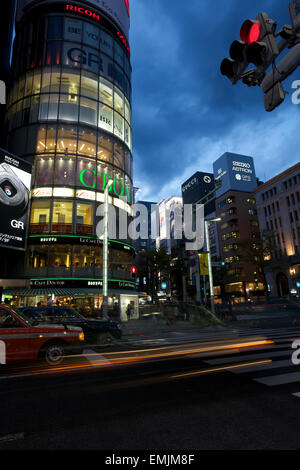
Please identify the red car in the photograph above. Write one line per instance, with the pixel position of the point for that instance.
(21, 340)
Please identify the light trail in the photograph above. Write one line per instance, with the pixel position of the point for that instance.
(121, 360)
(220, 369)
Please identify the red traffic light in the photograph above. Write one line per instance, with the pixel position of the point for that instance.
(250, 31)
(133, 271)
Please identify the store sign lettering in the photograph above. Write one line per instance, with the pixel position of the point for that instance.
(115, 186)
(82, 11)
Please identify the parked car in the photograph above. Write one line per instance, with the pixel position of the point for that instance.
(22, 340)
(96, 332)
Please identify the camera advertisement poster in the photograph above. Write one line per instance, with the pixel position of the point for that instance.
(15, 183)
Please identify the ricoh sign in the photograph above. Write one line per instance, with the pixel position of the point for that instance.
(118, 10)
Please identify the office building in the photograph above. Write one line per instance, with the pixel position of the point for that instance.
(278, 209)
(69, 113)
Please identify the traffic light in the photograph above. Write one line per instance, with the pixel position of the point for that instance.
(257, 46)
(259, 34)
(133, 272)
(233, 68)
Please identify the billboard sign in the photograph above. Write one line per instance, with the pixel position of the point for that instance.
(15, 183)
(236, 172)
(198, 187)
(118, 10)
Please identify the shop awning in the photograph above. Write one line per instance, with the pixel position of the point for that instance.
(63, 292)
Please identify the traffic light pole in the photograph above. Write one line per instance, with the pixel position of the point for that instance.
(105, 251)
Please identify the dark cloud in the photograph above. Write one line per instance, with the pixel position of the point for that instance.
(182, 106)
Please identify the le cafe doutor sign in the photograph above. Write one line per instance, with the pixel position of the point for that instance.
(69, 283)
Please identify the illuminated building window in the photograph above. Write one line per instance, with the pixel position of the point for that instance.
(62, 217)
(60, 256)
(84, 218)
(40, 216)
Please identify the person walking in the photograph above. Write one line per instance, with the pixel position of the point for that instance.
(129, 311)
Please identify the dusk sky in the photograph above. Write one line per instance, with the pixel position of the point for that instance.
(185, 113)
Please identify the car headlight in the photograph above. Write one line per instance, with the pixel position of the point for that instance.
(81, 336)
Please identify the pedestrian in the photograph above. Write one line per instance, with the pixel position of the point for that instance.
(129, 311)
(116, 310)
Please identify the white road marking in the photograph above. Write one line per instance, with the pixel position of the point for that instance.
(268, 354)
(272, 365)
(94, 358)
(280, 379)
(12, 437)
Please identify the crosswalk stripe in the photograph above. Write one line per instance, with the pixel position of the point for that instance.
(272, 365)
(280, 379)
(267, 354)
(94, 358)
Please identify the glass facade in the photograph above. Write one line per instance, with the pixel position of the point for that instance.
(69, 111)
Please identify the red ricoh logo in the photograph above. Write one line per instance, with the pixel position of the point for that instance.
(82, 11)
(127, 6)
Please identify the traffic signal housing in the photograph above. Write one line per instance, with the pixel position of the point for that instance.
(133, 272)
(257, 46)
(260, 37)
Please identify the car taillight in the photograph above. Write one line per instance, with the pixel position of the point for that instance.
(81, 336)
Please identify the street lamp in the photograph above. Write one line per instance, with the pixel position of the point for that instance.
(210, 275)
(105, 250)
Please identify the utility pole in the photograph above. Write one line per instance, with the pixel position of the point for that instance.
(210, 274)
(105, 250)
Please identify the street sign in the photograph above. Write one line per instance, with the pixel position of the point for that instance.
(294, 8)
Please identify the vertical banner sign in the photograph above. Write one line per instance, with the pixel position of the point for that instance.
(2, 353)
(203, 264)
(15, 183)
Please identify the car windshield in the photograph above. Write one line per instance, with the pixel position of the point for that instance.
(24, 317)
(42, 314)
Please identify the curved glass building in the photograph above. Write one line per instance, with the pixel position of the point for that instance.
(69, 112)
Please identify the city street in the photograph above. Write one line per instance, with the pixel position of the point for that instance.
(240, 391)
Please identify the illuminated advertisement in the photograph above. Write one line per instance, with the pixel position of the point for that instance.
(235, 172)
(118, 10)
(15, 183)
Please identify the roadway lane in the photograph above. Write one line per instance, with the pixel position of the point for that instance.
(180, 401)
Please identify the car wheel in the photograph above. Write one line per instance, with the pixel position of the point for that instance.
(53, 354)
(104, 338)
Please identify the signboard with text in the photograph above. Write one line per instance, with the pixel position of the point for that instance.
(15, 183)
(236, 172)
(118, 10)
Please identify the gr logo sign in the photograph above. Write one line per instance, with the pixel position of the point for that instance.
(2, 352)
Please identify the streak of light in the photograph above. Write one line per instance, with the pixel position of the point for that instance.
(220, 369)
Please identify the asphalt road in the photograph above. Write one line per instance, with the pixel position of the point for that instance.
(234, 398)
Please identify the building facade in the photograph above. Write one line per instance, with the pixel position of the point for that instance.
(278, 207)
(69, 113)
(238, 229)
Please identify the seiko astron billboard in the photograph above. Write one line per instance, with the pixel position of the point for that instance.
(118, 10)
(236, 172)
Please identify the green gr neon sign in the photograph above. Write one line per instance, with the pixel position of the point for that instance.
(116, 184)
